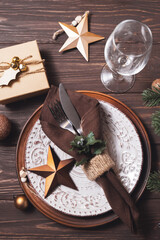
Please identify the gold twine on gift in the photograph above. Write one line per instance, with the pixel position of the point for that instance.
(97, 166)
(32, 61)
(74, 23)
(5, 65)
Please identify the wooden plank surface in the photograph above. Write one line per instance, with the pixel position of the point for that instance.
(22, 21)
(33, 225)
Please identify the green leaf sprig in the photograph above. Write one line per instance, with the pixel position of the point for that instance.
(153, 183)
(156, 122)
(87, 146)
(151, 98)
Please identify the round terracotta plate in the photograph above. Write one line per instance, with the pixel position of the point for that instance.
(100, 219)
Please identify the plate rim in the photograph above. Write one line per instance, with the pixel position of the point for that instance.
(78, 221)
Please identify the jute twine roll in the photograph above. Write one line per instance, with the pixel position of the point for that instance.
(97, 166)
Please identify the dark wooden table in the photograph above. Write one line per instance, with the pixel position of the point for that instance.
(22, 21)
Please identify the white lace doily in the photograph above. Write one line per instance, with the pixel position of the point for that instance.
(124, 147)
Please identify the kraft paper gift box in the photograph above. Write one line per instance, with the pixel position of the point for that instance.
(25, 85)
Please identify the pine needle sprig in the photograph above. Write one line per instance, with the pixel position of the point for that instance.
(151, 98)
(153, 183)
(156, 122)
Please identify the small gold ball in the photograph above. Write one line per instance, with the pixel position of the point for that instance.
(22, 67)
(14, 65)
(15, 59)
(21, 202)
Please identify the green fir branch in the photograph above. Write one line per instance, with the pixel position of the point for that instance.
(151, 98)
(156, 122)
(153, 183)
(81, 162)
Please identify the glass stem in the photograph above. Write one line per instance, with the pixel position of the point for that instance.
(117, 76)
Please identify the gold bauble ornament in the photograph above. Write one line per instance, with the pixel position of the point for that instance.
(22, 67)
(156, 84)
(14, 65)
(21, 202)
(15, 59)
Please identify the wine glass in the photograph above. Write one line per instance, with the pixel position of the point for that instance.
(126, 52)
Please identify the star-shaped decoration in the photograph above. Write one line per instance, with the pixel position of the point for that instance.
(56, 172)
(79, 37)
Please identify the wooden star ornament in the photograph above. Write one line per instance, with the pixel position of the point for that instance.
(56, 172)
(79, 37)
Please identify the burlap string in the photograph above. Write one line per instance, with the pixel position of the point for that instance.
(98, 166)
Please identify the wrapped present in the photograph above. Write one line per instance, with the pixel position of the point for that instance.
(22, 73)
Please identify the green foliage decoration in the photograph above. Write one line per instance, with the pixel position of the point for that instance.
(156, 122)
(151, 98)
(87, 146)
(153, 183)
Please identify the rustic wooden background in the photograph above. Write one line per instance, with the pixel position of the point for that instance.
(22, 21)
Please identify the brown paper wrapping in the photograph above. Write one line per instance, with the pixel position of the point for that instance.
(29, 84)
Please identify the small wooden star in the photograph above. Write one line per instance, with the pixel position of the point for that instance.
(56, 172)
(79, 37)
